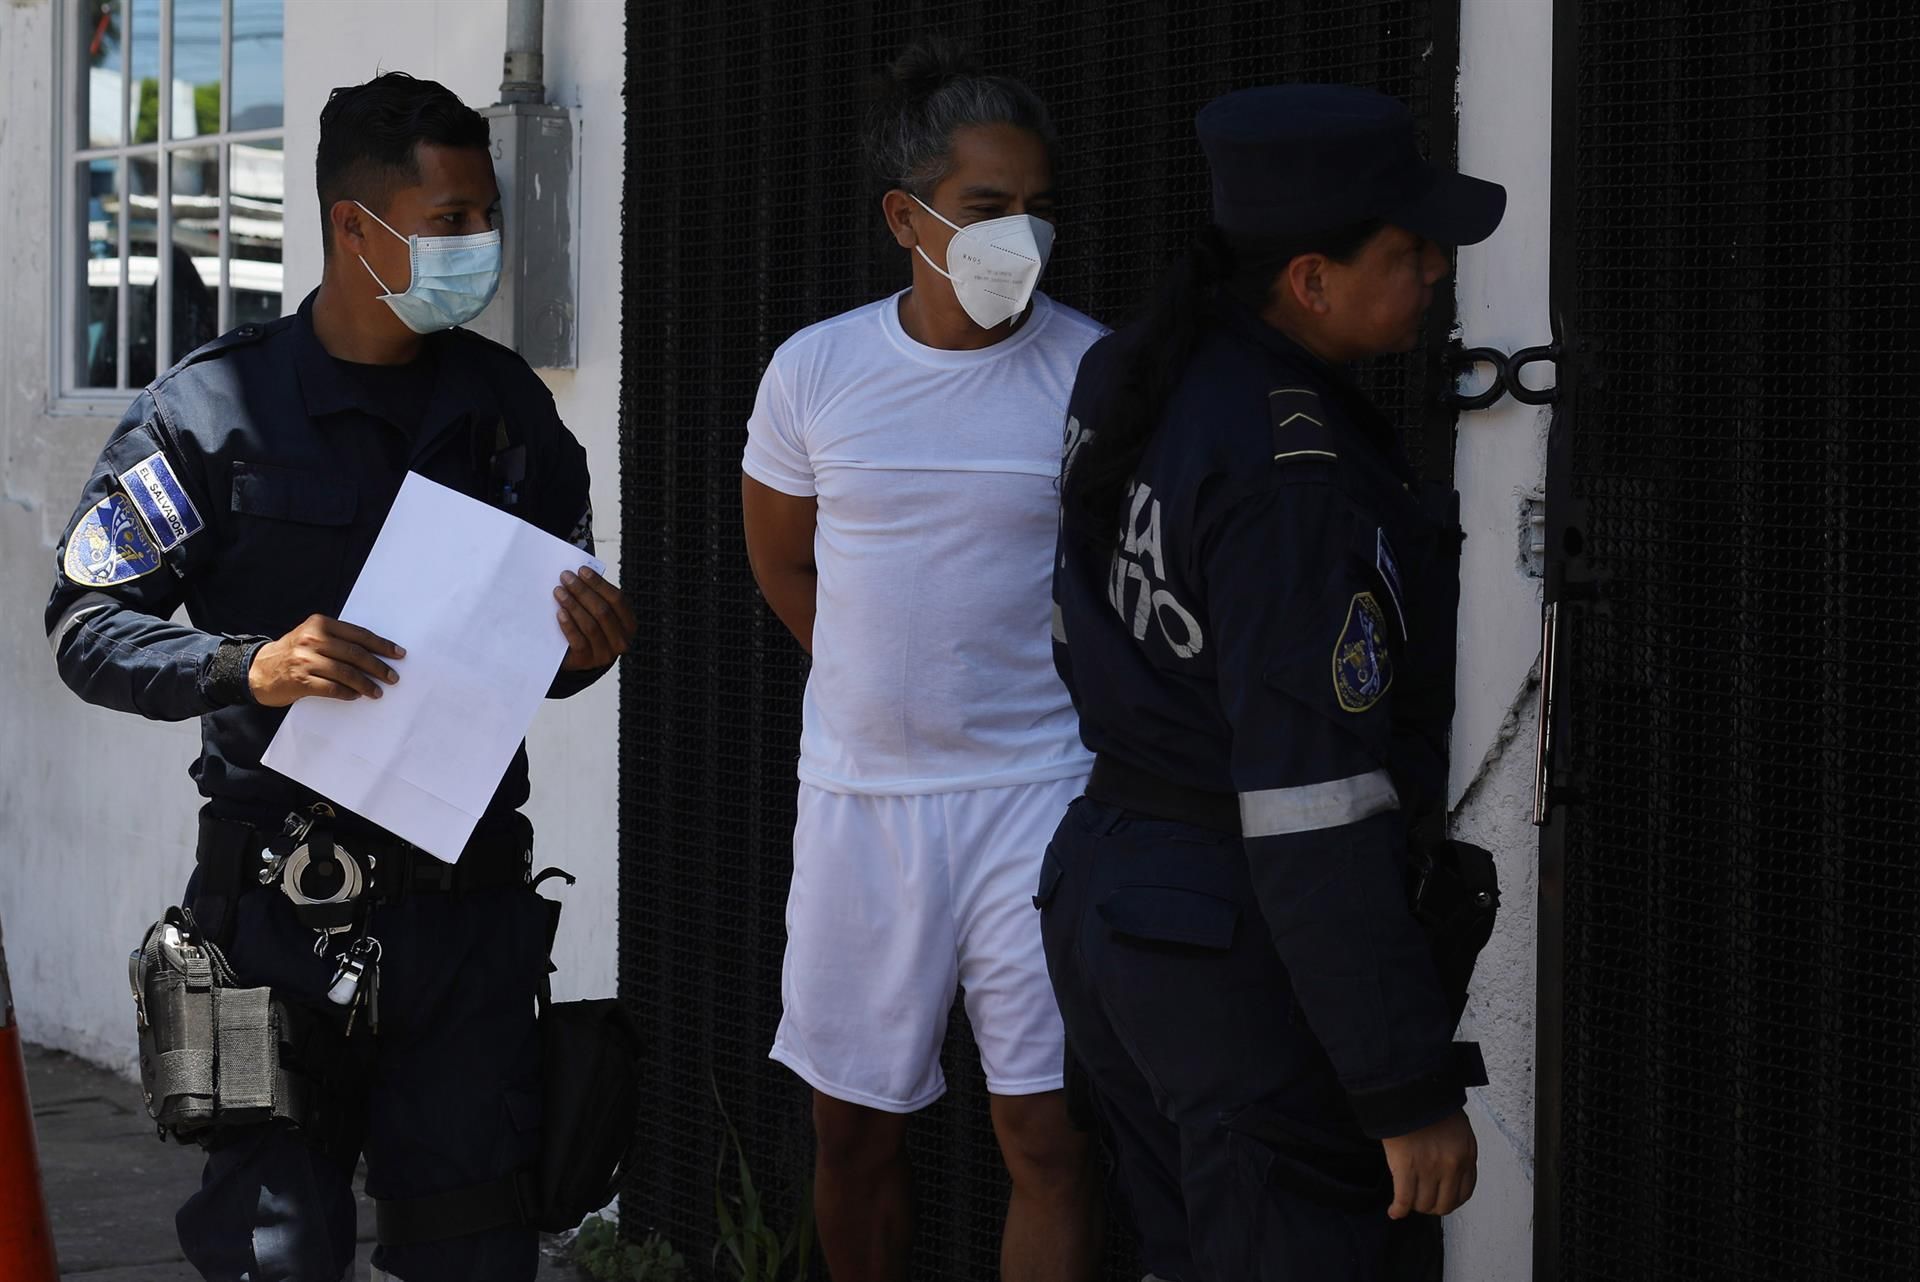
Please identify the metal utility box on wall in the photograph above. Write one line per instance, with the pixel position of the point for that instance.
(534, 162)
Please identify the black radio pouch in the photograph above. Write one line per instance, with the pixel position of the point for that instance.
(1455, 896)
(590, 1066)
(590, 1100)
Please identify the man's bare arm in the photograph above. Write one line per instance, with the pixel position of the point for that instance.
(780, 530)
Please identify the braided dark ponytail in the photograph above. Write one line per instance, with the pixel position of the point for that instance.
(1154, 350)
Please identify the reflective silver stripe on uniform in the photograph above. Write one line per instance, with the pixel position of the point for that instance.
(1275, 812)
(79, 612)
(1059, 625)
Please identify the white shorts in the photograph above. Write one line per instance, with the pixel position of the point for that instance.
(895, 902)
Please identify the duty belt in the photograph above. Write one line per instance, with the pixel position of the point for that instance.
(245, 857)
(1115, 783)
(1453, 897)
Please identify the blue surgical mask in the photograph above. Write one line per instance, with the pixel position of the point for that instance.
(454, 278)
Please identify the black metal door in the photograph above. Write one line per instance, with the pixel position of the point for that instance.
(1730, 1036)
(746, 218)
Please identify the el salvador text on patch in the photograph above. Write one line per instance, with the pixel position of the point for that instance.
(108, 545)
(162, 501)
(1362, 663)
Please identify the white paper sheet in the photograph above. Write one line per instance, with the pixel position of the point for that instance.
(467, 591)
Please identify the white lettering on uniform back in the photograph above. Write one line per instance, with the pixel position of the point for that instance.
(1141, 559)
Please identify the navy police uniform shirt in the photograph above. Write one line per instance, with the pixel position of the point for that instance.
(1277, 622)
(247, 484)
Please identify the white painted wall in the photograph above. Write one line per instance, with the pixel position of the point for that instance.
(96, 810)
(1505, 122)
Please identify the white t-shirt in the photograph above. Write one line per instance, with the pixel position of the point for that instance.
(935, 473)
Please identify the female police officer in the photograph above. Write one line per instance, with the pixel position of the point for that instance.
(1255, 617)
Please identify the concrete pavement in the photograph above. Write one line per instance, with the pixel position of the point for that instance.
(112, 1188)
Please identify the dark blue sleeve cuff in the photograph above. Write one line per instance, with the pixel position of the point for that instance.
(1407, 1106)
(224, 682)
(567, 684)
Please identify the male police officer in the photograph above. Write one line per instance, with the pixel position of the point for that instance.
(248, 483)
(1256, 618)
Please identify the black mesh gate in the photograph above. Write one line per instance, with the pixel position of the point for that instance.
(1730, 1029)
(747, 218)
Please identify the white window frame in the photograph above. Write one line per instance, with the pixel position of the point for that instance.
(68, 294)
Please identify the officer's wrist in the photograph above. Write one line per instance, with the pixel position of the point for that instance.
(226, 680)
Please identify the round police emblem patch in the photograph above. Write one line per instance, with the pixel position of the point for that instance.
(1362, 664)
(108, 545)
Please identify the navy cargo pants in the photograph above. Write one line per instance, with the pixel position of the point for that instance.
(452, 1099)
(1238, 1156)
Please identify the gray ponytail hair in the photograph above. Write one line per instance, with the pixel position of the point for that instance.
(929, 92)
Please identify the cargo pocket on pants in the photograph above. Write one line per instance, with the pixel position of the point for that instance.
(1171, 915)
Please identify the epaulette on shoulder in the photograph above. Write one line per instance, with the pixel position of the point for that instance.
(1300, 431)
(240, 336)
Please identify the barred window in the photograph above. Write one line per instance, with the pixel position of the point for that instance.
(173, 182)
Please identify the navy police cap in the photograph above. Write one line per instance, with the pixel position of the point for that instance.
(1291, 159)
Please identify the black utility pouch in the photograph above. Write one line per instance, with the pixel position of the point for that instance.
(209, 1048)
(590, 1099)
(590, 1067)
(1455, 896)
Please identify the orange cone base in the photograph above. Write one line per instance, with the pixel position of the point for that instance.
(26, 1242)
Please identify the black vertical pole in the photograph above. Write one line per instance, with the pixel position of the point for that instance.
(1438, 415)
(1565, 542)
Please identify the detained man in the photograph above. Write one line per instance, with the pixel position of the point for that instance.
(900, 517)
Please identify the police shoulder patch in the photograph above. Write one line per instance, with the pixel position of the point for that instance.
(1362, 663)
(162, 501)
(1300, 433)
(108, 545)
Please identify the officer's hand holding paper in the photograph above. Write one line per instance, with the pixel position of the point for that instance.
(468, 590)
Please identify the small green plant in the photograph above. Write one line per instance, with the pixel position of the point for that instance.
(754, 1250)
(601, 1255)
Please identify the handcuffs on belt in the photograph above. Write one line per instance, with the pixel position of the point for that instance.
(326, 882)
(323, 879)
